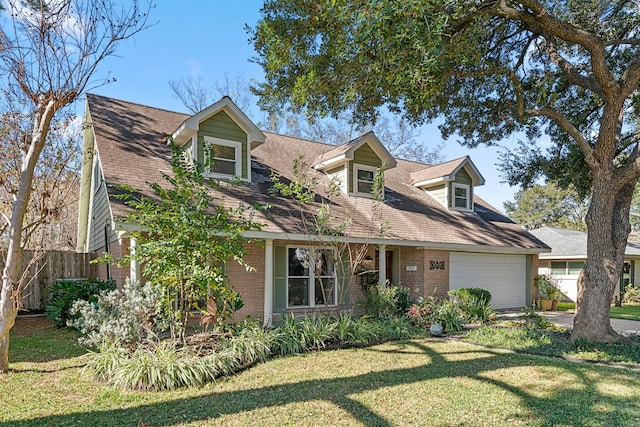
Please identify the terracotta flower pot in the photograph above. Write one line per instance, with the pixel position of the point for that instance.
(546, 304)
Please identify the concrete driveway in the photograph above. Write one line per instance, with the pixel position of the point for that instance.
(565, 319)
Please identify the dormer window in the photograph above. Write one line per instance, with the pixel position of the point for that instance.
(461, 196)
(363, 179)
(352, 167)
(224, 157)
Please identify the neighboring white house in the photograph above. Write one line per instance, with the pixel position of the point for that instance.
(567, 257)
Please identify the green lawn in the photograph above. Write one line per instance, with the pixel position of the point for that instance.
(418, 382)
(628, 312)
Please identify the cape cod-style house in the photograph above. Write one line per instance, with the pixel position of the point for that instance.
(438, 234)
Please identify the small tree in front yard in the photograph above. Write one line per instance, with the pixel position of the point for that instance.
(186, 237)
(329, 232)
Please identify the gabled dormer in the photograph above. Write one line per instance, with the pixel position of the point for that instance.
(451, 183)
(353, 166)
(224, 134)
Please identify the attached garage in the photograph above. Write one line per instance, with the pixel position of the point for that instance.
(505, 276)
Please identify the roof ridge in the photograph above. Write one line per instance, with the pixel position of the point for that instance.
(138, 104)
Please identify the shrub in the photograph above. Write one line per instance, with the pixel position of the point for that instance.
(317, 331)
(477, 294)
(474, 303)
(346, 328)
(423, 313)
(389, 301)
(121, 316)
(289, 339)
(395, 328)
(163, 365)
(157, 365)
(449, 316)
(547, 287)
(631, 295)
(65, 292)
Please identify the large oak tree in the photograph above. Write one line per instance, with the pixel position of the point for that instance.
(49, 53)
(491, 68)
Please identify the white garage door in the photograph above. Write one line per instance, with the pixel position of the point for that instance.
(502, 275)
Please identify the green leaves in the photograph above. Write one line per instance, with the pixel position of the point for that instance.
(188, 237)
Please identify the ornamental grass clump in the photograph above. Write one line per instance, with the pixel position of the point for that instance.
(157, 364)
(474, 303)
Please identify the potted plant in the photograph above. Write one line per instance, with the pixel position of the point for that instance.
(548, 292)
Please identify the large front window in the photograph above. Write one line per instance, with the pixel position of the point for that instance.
(311, 278)
(224, 157)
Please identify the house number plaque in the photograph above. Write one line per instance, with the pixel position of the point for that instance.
(436, 265)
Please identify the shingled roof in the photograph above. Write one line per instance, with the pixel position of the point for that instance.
(131, 142)
(569, 244)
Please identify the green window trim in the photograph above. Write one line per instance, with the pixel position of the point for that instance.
(310, 287)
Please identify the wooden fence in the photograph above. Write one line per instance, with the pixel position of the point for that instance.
(46, 269)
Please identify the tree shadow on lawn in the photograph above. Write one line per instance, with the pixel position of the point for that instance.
(557, 342)
(582, 402)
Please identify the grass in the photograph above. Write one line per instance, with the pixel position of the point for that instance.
(555, 342)
(413, 382)
(627, 312)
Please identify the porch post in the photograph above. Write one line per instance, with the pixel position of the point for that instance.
(134, 266)
(268, 282)
(382, 266)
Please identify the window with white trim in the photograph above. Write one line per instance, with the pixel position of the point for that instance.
(311, 277)
(566, 268)
(225, 157)
(363, 179)
(461, 196)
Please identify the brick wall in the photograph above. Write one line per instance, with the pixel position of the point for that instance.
(408, 258)
(436, 280)
(250, 284)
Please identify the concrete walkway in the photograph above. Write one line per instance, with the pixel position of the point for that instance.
(621, 326)
(565, 319)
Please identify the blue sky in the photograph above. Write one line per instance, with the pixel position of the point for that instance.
(206, 39)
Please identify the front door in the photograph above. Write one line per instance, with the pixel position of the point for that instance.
(388, 255)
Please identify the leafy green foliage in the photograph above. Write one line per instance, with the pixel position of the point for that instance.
(322, 229)
(64, 293)
(188, 237)
(547, 287)
(449, 316)
(471, 294)
(548, 205)
(388, 301)
(491, 70)
(553, 341)
(474, 303)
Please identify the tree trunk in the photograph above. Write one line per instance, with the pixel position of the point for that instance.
(608, 229)
(11, 286)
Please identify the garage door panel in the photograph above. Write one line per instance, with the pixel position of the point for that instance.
(502, 275)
